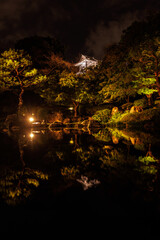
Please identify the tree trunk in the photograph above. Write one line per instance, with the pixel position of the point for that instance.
(76, 104)
(157, 78)
(127, 99)
(149, 97)
(20, 101)
(21, 152)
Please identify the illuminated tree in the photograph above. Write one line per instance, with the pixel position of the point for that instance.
(16, 72)
(147, 67)
(69, 89)
(145, 85)
(117, 83)
(76, 89)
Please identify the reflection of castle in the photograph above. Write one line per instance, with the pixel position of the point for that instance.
(86, 62)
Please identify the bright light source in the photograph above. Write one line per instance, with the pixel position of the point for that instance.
(70, 108)
(71, 141)
(31, 119)
(31, 135)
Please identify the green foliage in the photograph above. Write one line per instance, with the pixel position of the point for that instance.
(112, 158)
(147, 160)
(68, 80)
(148, 114)
(147, 165)
(18, 185)
(118, 88)
(103, 135)
(69, 172)
(140, 103)
(146, 67)
(75, 88)
(102, 116)
(16, 70)
(117, 117)
(119, 134)
(145, 85)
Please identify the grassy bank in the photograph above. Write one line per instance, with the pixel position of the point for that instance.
(147, 120)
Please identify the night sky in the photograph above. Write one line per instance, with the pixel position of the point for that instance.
(84, 26)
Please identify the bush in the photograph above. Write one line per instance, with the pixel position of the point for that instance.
(157, 102)
(102, 116)
(146, 115)
(117, 117)
(140, 103)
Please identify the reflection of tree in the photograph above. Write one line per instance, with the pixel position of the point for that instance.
(15, 186)
(112, 157)
(56, 134)
(149, 153)
(103, 135)
(69, 172)
(147, 165)
(84, 159)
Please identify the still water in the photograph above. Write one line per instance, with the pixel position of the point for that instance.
(67, 172)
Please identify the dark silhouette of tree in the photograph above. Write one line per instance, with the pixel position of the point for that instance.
(40, 48)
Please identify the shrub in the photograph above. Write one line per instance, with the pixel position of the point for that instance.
(102, 116)
(140, 103)
(117, 117)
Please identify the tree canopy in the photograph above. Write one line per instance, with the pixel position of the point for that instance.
(17, 71)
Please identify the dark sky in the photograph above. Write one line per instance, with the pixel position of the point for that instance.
(85, 26)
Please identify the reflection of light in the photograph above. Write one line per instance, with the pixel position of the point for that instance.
(71, 141)
(70, 108)
(31, 135)
(36, 123)
(36, 132)
(31, 119)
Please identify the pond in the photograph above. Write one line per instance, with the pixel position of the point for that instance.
(67, 172)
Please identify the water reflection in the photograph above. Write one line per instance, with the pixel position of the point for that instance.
(18, 183)
(122, 166)
(86, 183)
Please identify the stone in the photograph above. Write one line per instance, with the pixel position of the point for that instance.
(114, 110)
(136, 109)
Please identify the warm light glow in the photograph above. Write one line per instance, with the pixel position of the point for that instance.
(31, 119)
(31, 135)
(70, 108)
(71, 141)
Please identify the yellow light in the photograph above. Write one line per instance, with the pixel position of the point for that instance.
(71, 141)
(31, 119)
(31, 135)
(70, 108)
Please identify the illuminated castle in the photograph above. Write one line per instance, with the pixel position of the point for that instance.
(86, 62)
